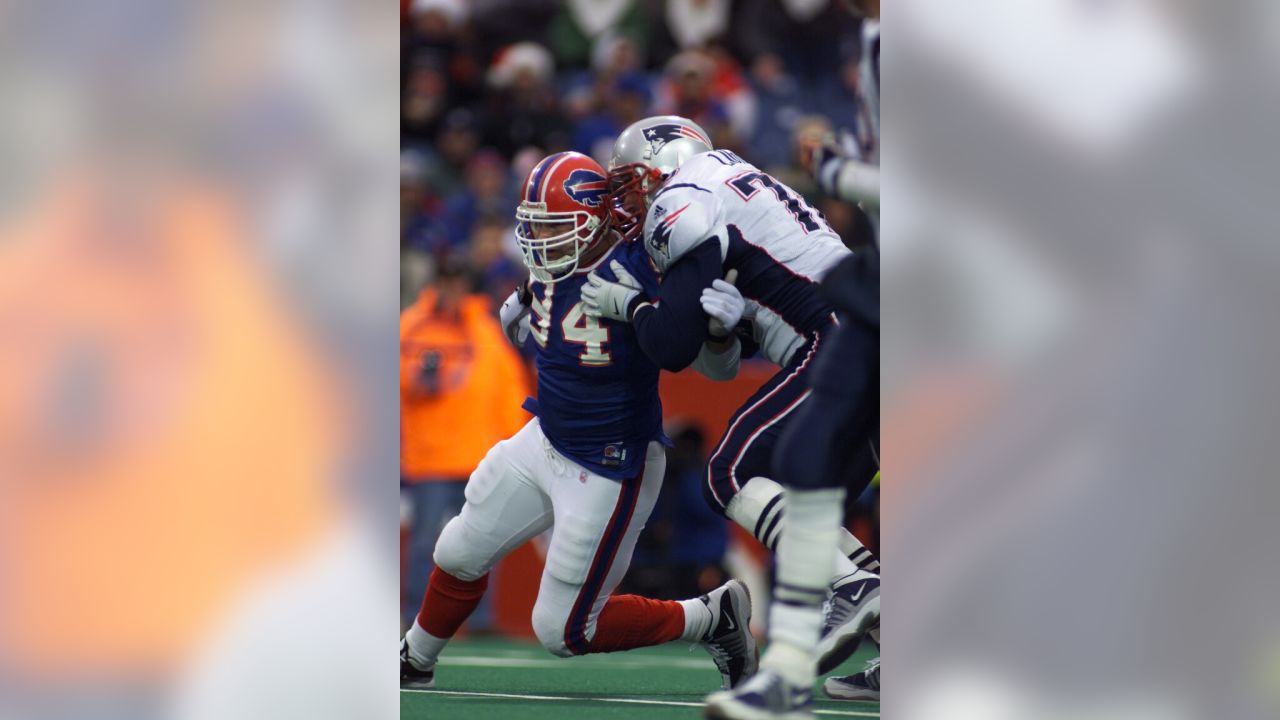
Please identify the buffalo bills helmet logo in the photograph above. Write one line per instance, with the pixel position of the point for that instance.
(660, 135)
(586, 187)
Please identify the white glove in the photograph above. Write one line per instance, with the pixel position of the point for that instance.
(602, 298)
(724, 304)
(514, 317)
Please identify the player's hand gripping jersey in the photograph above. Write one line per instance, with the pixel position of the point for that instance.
(597, 390)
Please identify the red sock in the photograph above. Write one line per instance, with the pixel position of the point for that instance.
(631, 621)
(449, 602)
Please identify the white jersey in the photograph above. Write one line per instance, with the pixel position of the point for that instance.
(780, 245)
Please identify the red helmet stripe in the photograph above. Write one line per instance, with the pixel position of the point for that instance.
(690, 132)
(551, 171)
(539, 172)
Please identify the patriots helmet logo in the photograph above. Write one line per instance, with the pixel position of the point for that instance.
(660, 135)
(586, 187)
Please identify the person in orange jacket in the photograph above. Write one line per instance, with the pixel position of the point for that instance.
(461, 387)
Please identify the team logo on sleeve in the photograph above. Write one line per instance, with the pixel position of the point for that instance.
(586, 187)
(660, 238)
(660, 135)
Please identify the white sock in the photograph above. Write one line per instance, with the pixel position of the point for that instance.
(844, 566)
(794, 665)
(424, 648)
(857, 574)
(805, 566)
(759, 508)
(697, 620)
(852, 548)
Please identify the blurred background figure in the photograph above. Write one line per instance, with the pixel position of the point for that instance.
(456, 371)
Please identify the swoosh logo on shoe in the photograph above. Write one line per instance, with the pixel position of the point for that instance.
(729, 619)
(861, 590)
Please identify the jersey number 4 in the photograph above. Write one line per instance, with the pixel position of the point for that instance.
(577, 327)
(750, 183)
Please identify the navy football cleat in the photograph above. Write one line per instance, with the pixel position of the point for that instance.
(765, 696)
(863, 686)
(411, 676)
(854, 609)
(729, 641)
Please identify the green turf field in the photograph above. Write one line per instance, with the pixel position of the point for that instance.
(516, 681)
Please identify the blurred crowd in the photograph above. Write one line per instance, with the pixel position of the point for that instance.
(489, 87)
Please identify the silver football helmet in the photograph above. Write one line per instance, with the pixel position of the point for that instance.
(644, 156)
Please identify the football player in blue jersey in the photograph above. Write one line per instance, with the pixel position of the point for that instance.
(589, 465)
(708, 213)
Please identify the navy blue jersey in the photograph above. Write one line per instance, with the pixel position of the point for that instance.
(597, 390)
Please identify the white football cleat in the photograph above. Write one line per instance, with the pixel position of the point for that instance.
(864, 686)
(729, 641)
(854, 608)
(765, 696)
(412, 676)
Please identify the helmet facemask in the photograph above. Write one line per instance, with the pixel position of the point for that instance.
(631, 189)
(553, 243)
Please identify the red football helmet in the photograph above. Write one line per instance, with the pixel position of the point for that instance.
(563, 214)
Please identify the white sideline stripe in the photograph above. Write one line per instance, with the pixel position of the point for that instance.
(631, 701)
(559, 663)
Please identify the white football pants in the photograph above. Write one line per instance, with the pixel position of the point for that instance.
(524, 486)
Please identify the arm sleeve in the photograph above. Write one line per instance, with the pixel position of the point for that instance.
(672, 330)
(851, 180)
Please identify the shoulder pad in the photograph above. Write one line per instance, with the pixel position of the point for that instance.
(678, 221)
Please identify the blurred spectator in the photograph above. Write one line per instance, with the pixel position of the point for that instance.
(420, 205)
(456, 370)
(492, 247)
(696, 23)
(808, 130)
(780, 105)
(486, 193)
(522, 109)
(423, 101)
(708, 89)
(581, 23)
(613, 57)
(456, 144)
(498, 23)
(438, 33)
(812, 37)
(625, 102)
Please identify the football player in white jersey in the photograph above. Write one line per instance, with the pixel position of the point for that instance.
(706, 213)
